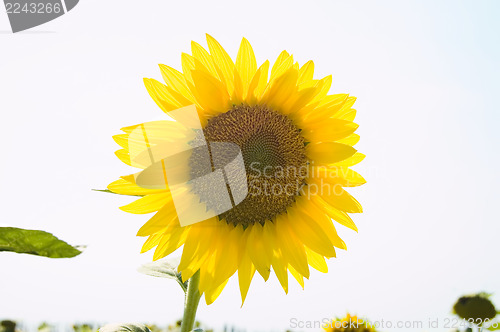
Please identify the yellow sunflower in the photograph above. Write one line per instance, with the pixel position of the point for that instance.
(281, 118)
(348, 324)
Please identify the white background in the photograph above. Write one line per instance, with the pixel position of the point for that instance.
(426, 74)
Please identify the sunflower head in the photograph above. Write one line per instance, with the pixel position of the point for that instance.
(475, 308)
(270, 143)
(295, 143)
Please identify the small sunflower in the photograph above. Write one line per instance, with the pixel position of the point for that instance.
(348, 324)
(281, 118)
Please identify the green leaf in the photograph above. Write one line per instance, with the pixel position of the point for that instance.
(124, 328)
(165, 268)
(34, 242)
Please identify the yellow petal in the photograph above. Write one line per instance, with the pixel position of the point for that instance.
(290, 245)
(280, 266)
(123, 187)
(161, 96)
(210, 92)
(309, 232)
(148, 143)
(334, 102)
(164, 93)
(130, 129)
(261, 86)
(212, 294)
(176, 81)
(297, 276)
(223, 61)
(258, 250)
(306, 72)
(196, 245)
(341, 199)
(206, 275)
(323, 221)
(351, 178)
(332, 175)
(300, 99)
(187, 62)
(124, 156)
(337, 215)
(281, 90)
(148, 204)
(348, 115)
(227, 258)
(223, 261)
(346, 112)
(351, 140)
(208, 267)
(348, 104)
(170, 242)
(121, 140)
(281, 58)
(203, 240)
(326, 153)
(329, 129)
(250, 96)
(205, 58)
(165, 217)
(278, 261)
(246, 272)
(151, 242)
(158, 132)
(316, 261)
(351, 161)
(192, 266)
(326, 83)
(282, 64)
(199, 246)
(324, 108)
(239, 91)
(246, 64)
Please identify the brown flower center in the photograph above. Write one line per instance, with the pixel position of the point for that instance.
(273, 151)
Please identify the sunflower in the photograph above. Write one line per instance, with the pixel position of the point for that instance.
(348, 324)
(281, 118)
(476, 308)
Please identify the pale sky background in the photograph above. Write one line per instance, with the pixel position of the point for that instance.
(426, 74)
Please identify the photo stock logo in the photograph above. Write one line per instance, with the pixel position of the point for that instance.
(26, 14)
(204, 179)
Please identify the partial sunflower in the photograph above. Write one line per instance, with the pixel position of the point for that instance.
(476, 309)
(281, 118)
(348, 324)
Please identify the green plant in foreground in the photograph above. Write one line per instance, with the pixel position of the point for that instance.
(35, 242)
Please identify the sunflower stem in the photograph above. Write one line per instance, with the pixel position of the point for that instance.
(191, 302)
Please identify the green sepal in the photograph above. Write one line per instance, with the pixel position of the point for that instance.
(110, 192)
